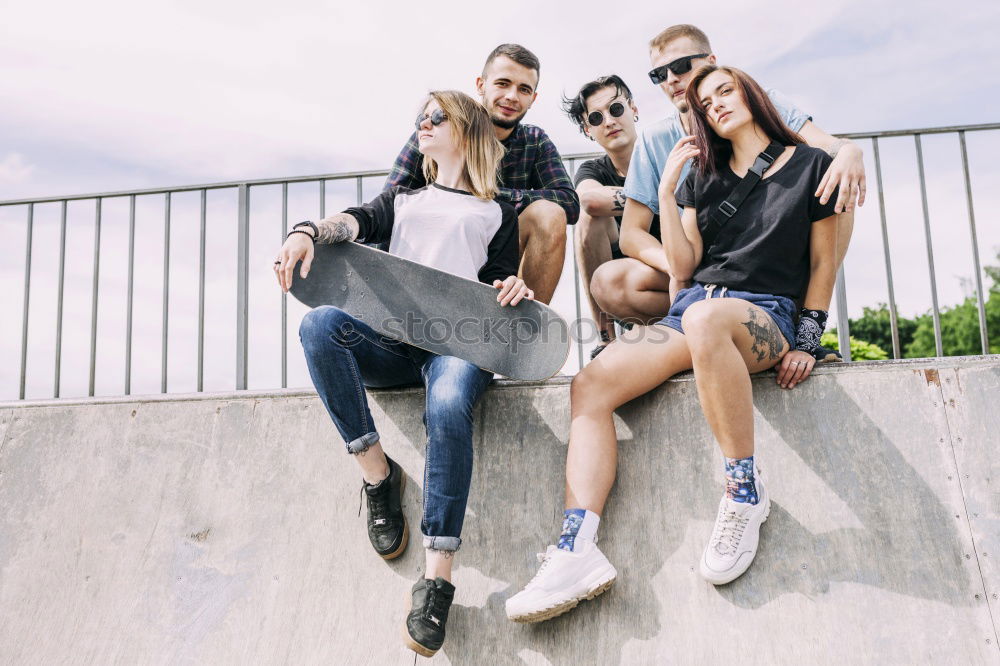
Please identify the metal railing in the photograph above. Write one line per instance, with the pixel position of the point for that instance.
(244, 189)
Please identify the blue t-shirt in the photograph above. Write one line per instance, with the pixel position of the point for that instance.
(649, 156)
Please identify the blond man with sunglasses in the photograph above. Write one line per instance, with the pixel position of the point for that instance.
(675, 54)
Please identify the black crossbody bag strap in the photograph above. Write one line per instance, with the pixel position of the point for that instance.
(728, 208)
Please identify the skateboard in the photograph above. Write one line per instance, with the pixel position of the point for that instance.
(436, 311)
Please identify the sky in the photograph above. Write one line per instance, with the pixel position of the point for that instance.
(113, 96)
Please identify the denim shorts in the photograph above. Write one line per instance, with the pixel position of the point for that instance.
(780, 308)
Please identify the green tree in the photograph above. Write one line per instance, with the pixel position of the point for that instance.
(959, 329)
(960, 325)
(875, 326)
(860, 349)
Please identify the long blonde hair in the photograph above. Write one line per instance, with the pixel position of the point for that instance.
(474, 131)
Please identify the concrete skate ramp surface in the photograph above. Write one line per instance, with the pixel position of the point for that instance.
(224, 529)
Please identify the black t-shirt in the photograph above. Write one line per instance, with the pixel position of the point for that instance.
(764, 247)
(603, 171)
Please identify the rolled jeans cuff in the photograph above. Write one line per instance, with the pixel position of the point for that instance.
(363, 443)
(444, 543)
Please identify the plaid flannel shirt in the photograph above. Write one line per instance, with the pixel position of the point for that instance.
(531, 170)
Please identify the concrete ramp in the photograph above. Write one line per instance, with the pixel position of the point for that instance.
(224, 529)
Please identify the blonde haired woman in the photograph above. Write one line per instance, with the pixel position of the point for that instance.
(453, 224)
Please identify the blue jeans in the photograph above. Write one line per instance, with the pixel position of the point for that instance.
(345, 355)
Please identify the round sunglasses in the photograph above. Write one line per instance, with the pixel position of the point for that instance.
(436, 118)
(596, 118)
(680, 66)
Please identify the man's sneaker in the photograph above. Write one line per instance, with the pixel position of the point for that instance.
(734, 540)
(565, 579)
(387, 528)
(826, 355)
(430, 601)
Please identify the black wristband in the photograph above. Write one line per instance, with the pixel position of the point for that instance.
(301, 231)
(810, 329)
(309, 224)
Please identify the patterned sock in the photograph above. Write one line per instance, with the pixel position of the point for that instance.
(740, 486)
(578, 523)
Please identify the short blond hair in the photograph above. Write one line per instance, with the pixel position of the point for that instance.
(675, 32)
(482, 150)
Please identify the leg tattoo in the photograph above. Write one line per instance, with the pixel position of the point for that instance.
(767, 340)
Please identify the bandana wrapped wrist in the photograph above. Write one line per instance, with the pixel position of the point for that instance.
(811, 326)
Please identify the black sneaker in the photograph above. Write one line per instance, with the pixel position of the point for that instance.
(597, 350)
(430, 601)
(387, 528)
(827, 355)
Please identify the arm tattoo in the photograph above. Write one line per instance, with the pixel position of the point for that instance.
(619, 200)
(835, 148)
(767, 339)
(334, 230)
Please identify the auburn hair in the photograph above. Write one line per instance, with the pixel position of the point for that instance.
(713, 150)
(475, 134)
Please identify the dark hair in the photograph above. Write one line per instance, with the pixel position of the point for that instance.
(515, 52)
(713, 149)
(693, 33)
(576, 107)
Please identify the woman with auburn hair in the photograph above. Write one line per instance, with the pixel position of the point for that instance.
(454, 224)
(737, 318)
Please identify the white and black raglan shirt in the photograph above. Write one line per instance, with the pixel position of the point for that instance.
(447, 229)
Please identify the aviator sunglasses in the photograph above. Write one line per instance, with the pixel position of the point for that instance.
(596, 118)
(678, 67)
(436, 118)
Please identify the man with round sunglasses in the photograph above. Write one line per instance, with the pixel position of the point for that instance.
(604, 110)
(533, 178)
(675, 54)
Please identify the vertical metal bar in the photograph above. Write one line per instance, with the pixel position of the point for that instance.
(242, 285)
(893, 317)
(930, 250)
(322, 199)
(576, 281)
(284, 296)
(201, 293)
(93, 298)
(128, 300)
(360, 191)
(576, 290)
(27, 297)
(843, 325)
(59, 305)
(166, 292)
(984, 338)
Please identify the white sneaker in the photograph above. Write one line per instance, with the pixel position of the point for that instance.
(734, 540)
(565, 579)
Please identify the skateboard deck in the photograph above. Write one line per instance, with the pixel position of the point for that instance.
(436, 311)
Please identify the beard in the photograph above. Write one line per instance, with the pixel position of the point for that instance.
(506, 123)
(683, 105)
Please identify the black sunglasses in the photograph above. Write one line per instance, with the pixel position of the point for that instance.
(436, 118)
(596, 118)
(678, 67)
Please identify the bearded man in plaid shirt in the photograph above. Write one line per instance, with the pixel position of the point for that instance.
(532, 176)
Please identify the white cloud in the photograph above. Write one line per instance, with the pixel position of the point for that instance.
(118, 95)
(13, 169)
